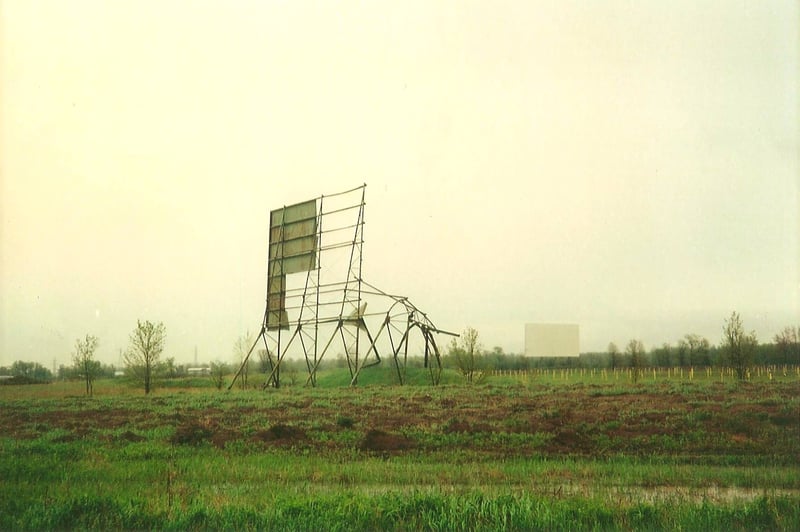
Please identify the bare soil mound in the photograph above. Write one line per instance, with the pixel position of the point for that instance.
(380, 441)
(281, 435)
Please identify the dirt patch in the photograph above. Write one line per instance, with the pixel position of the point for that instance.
(380, 441)
(456, 426)
(569, 440)
(281, 435)
(580, 420)
(192, 434)
(220, 438)
(206, 430)
(129, 436)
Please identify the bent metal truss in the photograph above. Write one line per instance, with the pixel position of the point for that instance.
(318, 303)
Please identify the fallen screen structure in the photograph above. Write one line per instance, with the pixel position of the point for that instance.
(318, 302)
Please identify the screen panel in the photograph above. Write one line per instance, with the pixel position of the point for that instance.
(277, 318)
(292, 249)
(552, 340)
(294, 213)
(293, 238)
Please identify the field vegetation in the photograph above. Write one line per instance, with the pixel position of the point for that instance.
(569, 448)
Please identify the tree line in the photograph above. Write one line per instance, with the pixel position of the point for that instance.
(738, 349)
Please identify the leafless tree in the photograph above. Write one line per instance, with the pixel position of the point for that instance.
(738, 347)
(218, 372)
(682, 351)
(240, 349)
(147, 344)
(662, 356)
(85, 364)
(613, 355)
(170, 368)
(635, 351)
(466, 350)
(697, 348)
(788, 344)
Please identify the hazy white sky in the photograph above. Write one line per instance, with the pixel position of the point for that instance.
(628, 166)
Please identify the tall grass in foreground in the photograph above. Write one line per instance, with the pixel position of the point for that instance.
(417, 511)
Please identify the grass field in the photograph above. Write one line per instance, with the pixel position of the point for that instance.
(531, 451)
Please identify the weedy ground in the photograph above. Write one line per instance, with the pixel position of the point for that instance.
(506, 454)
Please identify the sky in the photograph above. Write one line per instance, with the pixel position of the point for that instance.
(631, 167)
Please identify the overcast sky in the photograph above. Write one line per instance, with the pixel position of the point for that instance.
(628, 166)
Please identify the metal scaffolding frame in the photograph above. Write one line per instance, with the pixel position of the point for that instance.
(322, 238)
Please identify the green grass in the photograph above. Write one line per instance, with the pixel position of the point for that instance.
(693, 455)
(415, 511)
